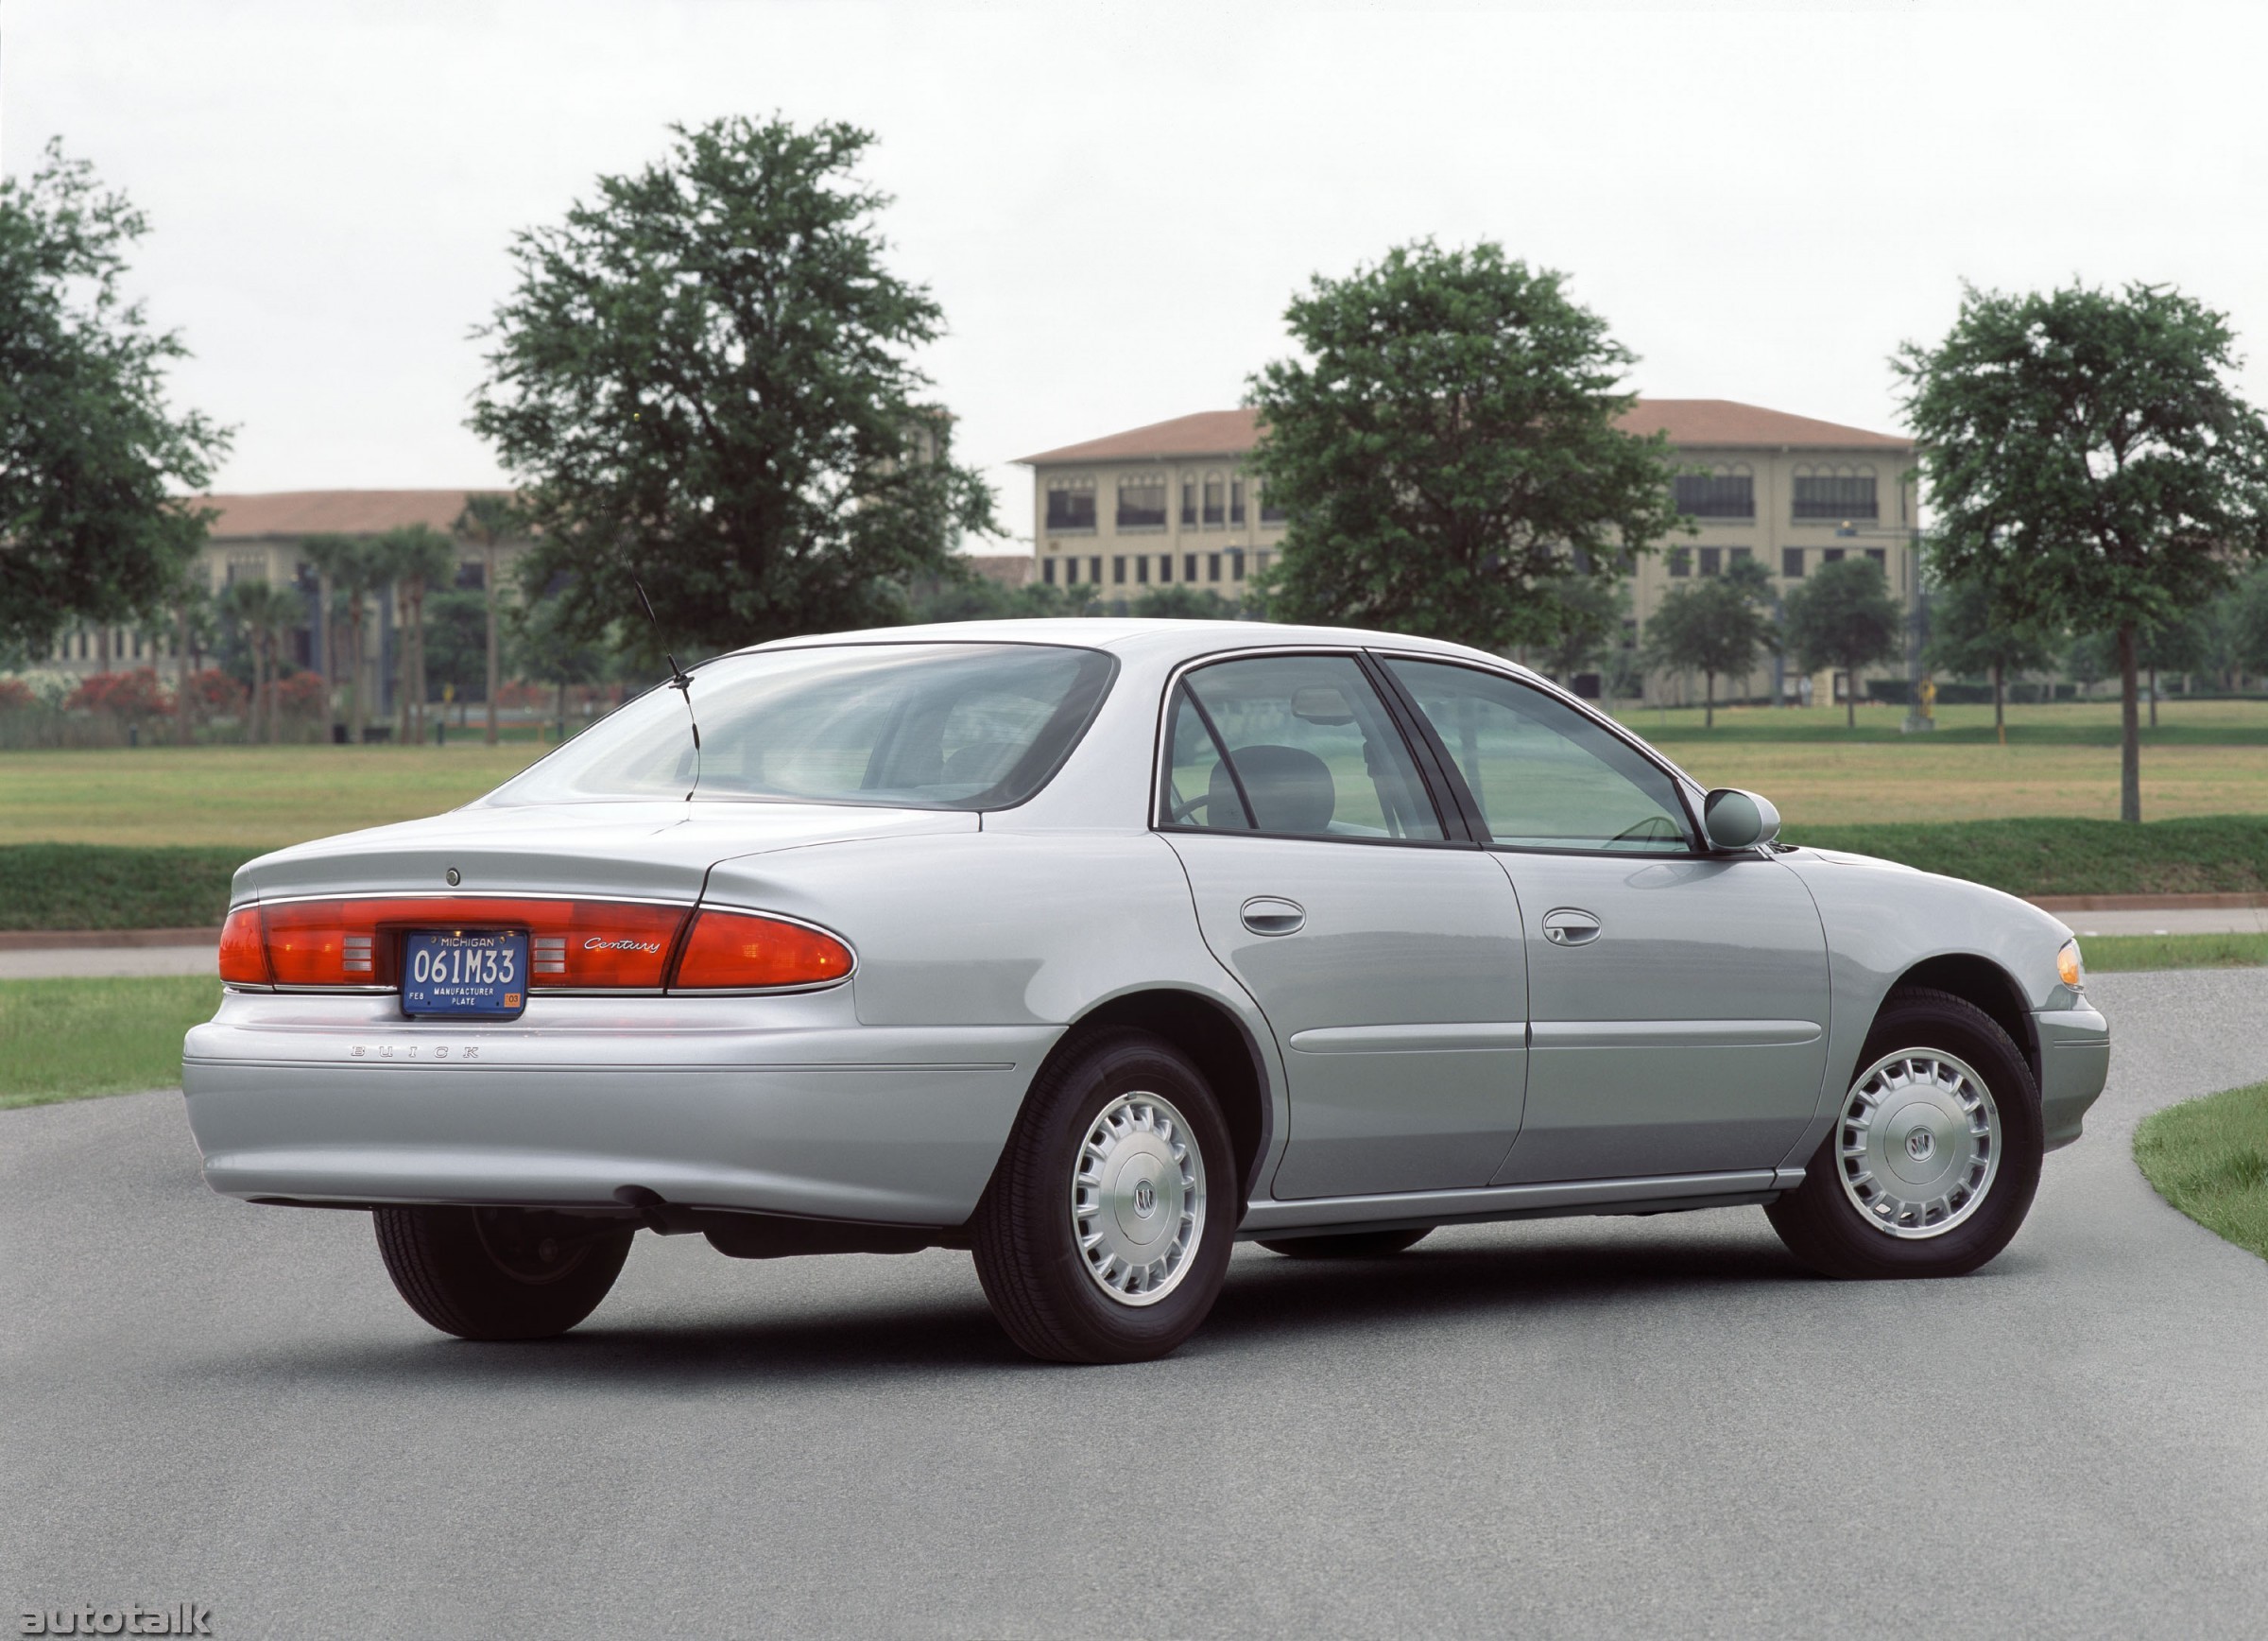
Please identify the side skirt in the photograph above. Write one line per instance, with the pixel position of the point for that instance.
(1667, 1194)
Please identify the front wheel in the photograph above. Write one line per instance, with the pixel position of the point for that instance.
(1934, 1159)
(1106, 1232)
(500, 1273)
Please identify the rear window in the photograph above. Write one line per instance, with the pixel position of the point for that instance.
(926, 726)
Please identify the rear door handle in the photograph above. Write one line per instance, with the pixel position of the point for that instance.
(1268, 914)
(1570, 925)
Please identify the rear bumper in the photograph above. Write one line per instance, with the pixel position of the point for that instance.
(780, 1104)
(2074, 1062)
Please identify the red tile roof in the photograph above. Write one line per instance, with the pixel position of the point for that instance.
(350, 512)
(1698, 424)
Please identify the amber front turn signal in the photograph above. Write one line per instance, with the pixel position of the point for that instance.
(739, 951)
(2068, 968)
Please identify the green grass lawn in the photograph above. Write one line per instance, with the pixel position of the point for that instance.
(2212, 854)
(68, 1039)
(2209, 1158)
(2116, 954)
(2092, 723)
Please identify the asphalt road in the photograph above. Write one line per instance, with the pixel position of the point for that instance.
(1566, 1428)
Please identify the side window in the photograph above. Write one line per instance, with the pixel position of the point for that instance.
(1545, 776)
(1304, 749)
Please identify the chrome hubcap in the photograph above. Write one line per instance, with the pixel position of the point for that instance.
(1919, 1143)
(1138, 1198)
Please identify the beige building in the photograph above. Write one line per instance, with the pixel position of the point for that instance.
(1170, 504)
(258, 538)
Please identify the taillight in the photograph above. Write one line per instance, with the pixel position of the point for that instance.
(739, 951)
(243, 957)
(572, 943)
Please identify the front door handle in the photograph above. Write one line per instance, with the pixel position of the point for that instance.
(1570, 925)
(1268, 914)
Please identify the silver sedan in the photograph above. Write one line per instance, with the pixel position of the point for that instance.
(1091, 946)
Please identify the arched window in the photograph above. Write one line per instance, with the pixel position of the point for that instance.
(1824, 491)
(1071, 504)
(1727, 492)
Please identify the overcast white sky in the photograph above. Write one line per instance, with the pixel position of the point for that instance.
(1114, 204)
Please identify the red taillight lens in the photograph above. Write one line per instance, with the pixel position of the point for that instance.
(572, 943)
(243, 958)
(731, 950)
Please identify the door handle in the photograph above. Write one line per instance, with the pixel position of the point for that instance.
(1268, 914)
(1571, 927)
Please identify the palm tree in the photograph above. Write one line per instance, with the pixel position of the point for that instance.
(353, 567)
(488, 519)
(264, 613)
(414, 559)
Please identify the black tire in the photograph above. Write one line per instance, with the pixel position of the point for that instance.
(1349, 1244)
(500, 1273)
(1027, 1255)
(1827, 1230)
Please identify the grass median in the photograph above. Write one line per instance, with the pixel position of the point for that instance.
(71, 1039)
(2209, 1159)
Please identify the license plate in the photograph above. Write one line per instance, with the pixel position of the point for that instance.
(479, 976)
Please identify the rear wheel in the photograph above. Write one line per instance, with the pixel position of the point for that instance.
(1934, 1157)
(1349, 1244)
(1106, 1232)
(500, 1273)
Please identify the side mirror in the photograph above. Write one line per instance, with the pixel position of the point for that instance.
(1738, 819)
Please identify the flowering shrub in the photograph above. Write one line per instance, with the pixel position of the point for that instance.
(15, 695)
(519, 693)
(131, 696)
(301, 694)
(214, 691)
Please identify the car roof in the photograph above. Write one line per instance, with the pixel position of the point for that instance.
(1130, 636)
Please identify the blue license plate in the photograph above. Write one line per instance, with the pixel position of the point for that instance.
(481, 977)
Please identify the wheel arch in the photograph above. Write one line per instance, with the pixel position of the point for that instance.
(1983, 982)
(1222, 1047)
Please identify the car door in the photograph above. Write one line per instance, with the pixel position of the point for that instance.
(1386, 956)
(1677, 998)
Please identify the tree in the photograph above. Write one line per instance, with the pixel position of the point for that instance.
(2087, 454)
(488, 519)
(1590, 623)
(2244, 623)
(353, 568)
(1448, 455)
(91, 454)
(2183, 645)
(547, 645)
(1715, 627)
(704, 380)
(1968, 635)
(1843, 617)
(971, 598)
(415, 558)
(457, 651)
(264, 614)
(1179, 602)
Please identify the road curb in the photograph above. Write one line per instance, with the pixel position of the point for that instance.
(2149, 902)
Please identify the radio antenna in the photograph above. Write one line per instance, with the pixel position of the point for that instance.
(679, 680)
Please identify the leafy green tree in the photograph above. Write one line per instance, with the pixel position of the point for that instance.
(1969, 635)
(352, 569)
(547, 643)
(2087, 454)
(1842, 617)
(2182, 644)
(1717, 627)
(265, 616)
(2090, 658)
(1590, 626)
(457, 648)
(91, 455)
(2244, 623)
(1180, 602)
(488, 519)
(704, 379)
(1447, 452)
(417, 558)
(971, 597)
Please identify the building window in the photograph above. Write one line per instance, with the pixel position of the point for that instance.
(1165, 566)
(1791, 562)
(1071, 504)
(1269, 512)
(1142, 568)
(1236, 501)
(1834, 495)
(1681, 561)
(1118, 570)
(1214, 511)
(1881, 556)
(1047, 570)
(1141, 503)
(1260, 562)
(1716, 496)
(1712, 560)
(472, 576)
(1213, 573)
(1189, 502)
(1095, 569)
(1236, 564)
(1189, 567)
(1830, 555)
(1741, 555)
